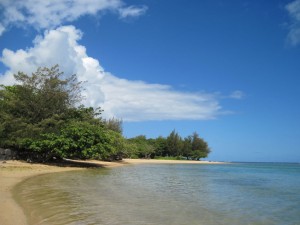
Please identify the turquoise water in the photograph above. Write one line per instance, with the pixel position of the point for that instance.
(229, 194)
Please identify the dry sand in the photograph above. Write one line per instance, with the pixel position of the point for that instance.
(13, 172)
(155, 161)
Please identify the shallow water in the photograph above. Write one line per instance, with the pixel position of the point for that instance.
(231, 194)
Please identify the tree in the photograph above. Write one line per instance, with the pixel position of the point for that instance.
(160, 145)
(187, 147)
(174, 144)
(114, 124)
(36, 104)
(79, 140)
(40, 118)
(200, 147)
(45, 93)
(143, 149)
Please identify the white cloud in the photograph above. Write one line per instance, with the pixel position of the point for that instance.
(237, 95)
(137, 100)
(132, 11)
(50, 14)
(2, 29)
(293, 9)
(121, 98)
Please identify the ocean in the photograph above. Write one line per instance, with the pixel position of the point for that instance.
(166, 194)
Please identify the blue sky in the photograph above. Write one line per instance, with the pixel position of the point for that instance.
(228, 70)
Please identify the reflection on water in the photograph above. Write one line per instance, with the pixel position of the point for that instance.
(254, 194)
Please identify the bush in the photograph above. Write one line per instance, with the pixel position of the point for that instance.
(78, 140)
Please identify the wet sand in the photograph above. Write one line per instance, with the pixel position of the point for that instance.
(13, 172)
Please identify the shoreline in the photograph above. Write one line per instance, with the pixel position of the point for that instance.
(13, 172)
(163, 161)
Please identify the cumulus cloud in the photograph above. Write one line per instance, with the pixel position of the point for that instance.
(137, 100)
(121, 98)
(293, 9)
(51, 14)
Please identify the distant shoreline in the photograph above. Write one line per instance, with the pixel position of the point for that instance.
(13, 172)
(162, 161)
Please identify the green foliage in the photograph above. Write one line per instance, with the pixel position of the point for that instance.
(160, 145)
(187, 149)
(43, 94)
(80, 140)
(174, 144)
(141, 148)
(172, 147)
(114, 124)
(39, 118)
(37, 104)
(200, 147)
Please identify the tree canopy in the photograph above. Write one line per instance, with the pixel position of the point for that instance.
(173, 146)
(41, 118)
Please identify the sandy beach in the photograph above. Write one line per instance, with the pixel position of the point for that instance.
(155, 161)
(12, 172)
